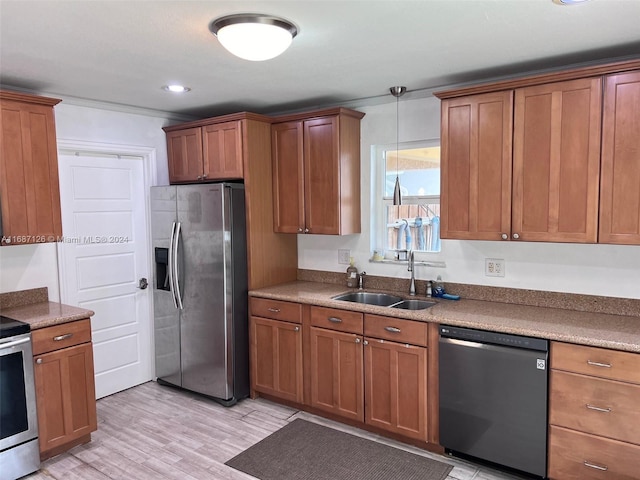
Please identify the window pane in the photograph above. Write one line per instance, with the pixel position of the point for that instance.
(413, 227)
(417, 168)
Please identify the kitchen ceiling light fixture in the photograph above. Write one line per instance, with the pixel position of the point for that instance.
(253, 36)
(397, 92)
(176, 88)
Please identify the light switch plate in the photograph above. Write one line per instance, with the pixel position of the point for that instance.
(344, 256)
(494, 267)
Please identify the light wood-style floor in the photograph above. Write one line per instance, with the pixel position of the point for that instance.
(155, 432)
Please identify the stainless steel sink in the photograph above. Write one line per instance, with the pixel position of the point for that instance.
(414, 304)
(369, 298)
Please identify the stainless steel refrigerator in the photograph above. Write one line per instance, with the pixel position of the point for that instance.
(200, 289)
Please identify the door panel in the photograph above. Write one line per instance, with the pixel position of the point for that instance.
(556, 161)
(620, 196)
(476, 166)
(321, 176)
(288, 178)
(336, 373)
(104, 254)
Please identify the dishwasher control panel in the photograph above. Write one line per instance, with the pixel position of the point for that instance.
(495, 338)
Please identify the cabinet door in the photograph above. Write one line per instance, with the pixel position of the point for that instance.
(65, 395)
(29, 191)
(620, 188)
(475, 186)
(184, 149)
(276, 358)
(396, 387)
(556, 162)
(288, 177)
(336, 373)
(321, 176)
(222, 151)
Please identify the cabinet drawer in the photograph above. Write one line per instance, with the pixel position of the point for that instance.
(340, 320)
(595, 405)
(579, 456)
(396, 329)
(600, 362)
(60, 336)
(276, 309)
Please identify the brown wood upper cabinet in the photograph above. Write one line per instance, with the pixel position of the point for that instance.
(620, 183)
(565, 169)
(316, 172)
(205, 153)
(476, 134)
(556, 161)
(536, 180)
(29, 188)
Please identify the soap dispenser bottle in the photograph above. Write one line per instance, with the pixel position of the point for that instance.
(352, 274)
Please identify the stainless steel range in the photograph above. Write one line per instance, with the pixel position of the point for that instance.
(19, 454)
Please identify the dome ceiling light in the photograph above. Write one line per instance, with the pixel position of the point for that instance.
(253, 36)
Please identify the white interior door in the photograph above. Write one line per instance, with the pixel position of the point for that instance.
(102, 259)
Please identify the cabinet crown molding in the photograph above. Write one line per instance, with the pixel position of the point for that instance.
(28, 98)
(550, 77)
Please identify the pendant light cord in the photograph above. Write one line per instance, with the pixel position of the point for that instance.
(397, 92)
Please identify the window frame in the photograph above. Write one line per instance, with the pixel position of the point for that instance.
(379, 202)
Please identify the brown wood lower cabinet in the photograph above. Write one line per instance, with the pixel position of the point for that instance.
(276, 358)
(594, 430)
(396, 387)
(65, 387)
(579, 456)
(336, 373)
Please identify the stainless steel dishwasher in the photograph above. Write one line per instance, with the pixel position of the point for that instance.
(493, 397)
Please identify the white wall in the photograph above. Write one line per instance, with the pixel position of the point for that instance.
(32, 266)
(588, 269)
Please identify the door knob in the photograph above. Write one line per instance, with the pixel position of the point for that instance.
(143, 283)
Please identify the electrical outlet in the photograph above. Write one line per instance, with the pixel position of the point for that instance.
(494, 267)
(344, 256)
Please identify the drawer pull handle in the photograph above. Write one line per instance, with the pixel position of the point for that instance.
(335, 320)
(598, 409)
(597, 467)
(59, 338)
(274, 310)
(598, 364)
(392, 329)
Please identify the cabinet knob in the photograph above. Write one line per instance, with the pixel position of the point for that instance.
(39, 361)
(199, 177)
(516, 236)
(504, 236)
(297, 329)
(306, 230)
(357, 340)
(204, 176)
(300, 230)
(365, 343)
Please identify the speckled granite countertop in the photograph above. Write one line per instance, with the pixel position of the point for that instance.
(596, 329)
(46, 314)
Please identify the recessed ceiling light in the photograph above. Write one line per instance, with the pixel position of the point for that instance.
(176, 88)
(568, 2)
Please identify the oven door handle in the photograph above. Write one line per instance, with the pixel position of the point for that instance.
(14, 343)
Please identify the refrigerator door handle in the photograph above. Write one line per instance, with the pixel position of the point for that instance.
(176, 282)
(172, 286)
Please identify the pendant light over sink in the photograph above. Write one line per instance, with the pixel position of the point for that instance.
(397, 92)
(253, 36)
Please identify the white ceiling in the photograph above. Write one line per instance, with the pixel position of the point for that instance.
(123, 52)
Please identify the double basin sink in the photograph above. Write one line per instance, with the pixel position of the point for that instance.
(384, 300)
